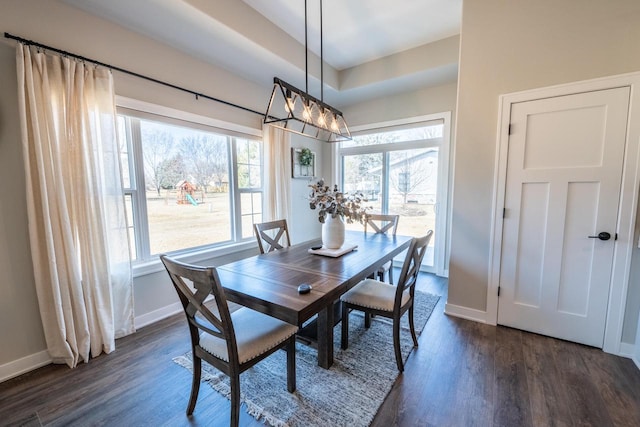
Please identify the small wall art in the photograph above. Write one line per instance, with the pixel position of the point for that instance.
(303, 163)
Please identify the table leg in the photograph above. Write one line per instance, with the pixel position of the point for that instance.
(325, 337)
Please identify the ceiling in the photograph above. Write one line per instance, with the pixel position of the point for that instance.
(260, 39)
(358, 31)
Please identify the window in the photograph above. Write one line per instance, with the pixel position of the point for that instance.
(401, 168)
(187, 185)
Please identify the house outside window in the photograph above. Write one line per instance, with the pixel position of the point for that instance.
(188, 186)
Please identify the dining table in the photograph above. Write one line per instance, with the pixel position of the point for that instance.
(269, 282)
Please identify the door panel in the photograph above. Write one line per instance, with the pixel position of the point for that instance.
(582, 205)
(544, 125)
(528, 286)
(564, 170)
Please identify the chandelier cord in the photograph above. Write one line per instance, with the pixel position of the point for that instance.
(306, 50)
(321, 59)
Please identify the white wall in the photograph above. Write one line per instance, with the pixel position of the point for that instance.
(420, 102)
(21, 331)
(514, 46)
(636, 352)
(304, 224)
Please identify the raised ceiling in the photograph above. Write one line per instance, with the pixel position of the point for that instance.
(355, 32)
(363, 39)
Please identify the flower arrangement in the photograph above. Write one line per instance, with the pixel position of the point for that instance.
(336, 203)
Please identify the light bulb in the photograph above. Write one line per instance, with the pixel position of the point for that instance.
(306, 113)
(334, 124)
(321, 120)
(289, 102)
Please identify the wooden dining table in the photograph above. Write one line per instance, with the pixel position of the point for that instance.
(269, 282)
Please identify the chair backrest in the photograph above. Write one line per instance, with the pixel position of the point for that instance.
(272, 235)
(205, 282)
(382, 223)
(411, 266)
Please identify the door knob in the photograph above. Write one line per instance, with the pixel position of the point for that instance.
(602, 236)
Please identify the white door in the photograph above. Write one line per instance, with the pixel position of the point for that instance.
(564, 172)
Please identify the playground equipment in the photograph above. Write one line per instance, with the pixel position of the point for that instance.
(185, 193)
(191, 200)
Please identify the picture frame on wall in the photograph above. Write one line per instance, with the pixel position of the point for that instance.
(303, 163)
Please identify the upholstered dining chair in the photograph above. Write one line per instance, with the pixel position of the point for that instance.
(383, 299)
(231, 342)
(272, 235)
(382, 224)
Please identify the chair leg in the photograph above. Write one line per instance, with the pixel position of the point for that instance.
(195, 385)
(367, 320)
(391, 273)
(235, 399)
(291, 364)
(412, 326)
(344, 340)
(396, 344)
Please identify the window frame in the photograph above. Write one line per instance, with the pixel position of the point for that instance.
(146, 262)
(443, 217)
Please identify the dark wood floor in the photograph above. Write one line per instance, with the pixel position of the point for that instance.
(463, 374)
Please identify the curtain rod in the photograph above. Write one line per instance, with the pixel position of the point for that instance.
(131, 73)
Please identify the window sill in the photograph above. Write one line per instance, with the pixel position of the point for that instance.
(195, 256)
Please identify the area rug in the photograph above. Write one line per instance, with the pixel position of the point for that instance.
(348, 394)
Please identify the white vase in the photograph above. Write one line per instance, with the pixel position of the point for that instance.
(332, 232)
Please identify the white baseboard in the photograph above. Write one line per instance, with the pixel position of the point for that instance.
(25, 364)
(465, 313)
(156, 315)
(626, 350)
(37, 360)
(629, 350)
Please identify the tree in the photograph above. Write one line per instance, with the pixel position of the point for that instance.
(205, 157)
(409, 170)
(248, 160)
(157, 151)
(173, 171)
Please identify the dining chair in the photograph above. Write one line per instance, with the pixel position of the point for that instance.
(264, 232)
(383, 299)
(230, 342)
(382, 224)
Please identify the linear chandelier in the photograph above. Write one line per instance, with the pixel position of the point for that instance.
(295, 110)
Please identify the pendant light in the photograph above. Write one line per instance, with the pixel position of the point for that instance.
(295, 110)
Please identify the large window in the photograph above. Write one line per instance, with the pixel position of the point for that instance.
(187, 185)
(399, 169)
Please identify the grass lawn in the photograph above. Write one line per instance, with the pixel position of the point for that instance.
(174, 226)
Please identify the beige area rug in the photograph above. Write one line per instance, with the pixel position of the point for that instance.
(348, 394)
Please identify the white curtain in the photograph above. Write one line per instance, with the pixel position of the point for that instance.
(278, 173)
(75, 203)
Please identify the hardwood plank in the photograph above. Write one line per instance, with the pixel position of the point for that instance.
(478, 371)
(587, 406)
(510, 381)
(462, 374)
(549, 403)
(613, 378)
(426, 388)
